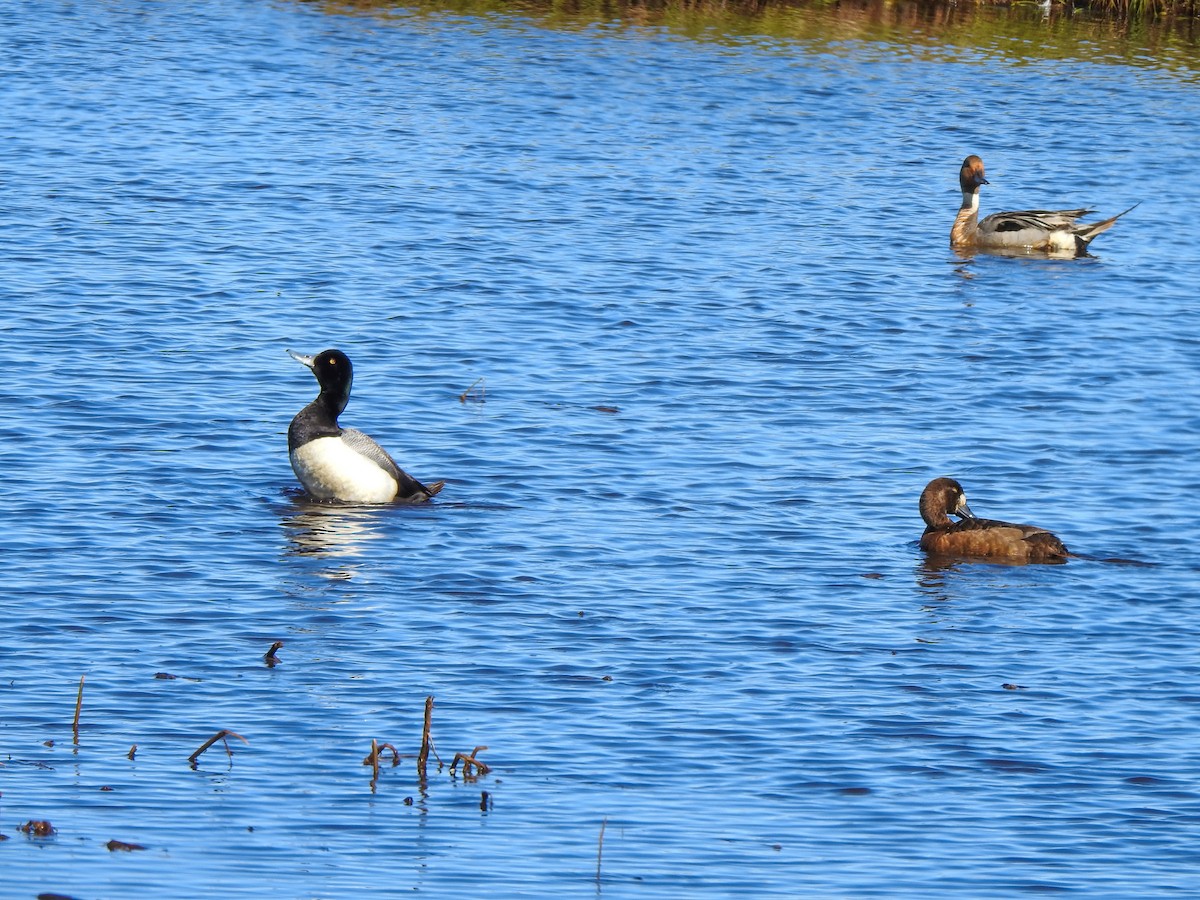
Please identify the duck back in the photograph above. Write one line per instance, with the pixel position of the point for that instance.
(991, 539)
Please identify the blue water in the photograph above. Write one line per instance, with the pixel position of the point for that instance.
(718, 345)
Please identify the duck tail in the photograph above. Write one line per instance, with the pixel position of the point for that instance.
(1087, 232)
(431, 489)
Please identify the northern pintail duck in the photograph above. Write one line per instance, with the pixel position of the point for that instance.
(1052, 232)
(335, 463)
(984, 538)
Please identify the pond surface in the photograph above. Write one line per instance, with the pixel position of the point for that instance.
(675, 316)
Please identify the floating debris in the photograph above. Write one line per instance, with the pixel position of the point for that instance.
(121, 845)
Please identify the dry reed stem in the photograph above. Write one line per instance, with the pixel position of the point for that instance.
(469, 760)
(423, 756)
(462, 398)
(220, 735)
(78, 707)
(374, 760)
(377, 748)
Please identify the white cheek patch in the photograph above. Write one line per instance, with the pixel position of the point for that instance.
(329, 470)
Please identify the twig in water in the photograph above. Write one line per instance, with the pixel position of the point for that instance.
(78, 707)
(220, 735)
(469, 760)
(373, 761)
(376, 749)
(600, 846)
(462, 398)
(269, 657)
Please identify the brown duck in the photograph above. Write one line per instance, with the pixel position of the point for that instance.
(983, 538)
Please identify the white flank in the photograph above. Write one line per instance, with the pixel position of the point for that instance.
(329, 470)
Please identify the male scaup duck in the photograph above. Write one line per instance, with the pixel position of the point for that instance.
(1052, 232)
(944, 497)
(335, 463)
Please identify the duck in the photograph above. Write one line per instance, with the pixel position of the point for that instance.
(336, 463)
(983, 538)
(1051, 232)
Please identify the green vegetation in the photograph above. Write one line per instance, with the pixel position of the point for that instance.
(659, 11)
(1158, 34)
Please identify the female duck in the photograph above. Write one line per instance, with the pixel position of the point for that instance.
(944, 497)
(1032, 231)
(335, 463)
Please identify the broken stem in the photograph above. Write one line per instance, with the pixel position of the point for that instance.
(423, 756)
(78, 707)
(462, 398)
(220, 735)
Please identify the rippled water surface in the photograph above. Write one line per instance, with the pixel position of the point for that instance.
(676, 318)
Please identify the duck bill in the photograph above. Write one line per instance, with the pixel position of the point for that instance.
(309, 361)
(964, 512)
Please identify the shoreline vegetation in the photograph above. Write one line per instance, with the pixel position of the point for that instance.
(654, 11)
(1161, 33)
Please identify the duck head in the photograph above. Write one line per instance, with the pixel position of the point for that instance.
(942, 498)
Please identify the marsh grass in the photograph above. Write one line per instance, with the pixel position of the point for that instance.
(656, 12)
(1153, 34)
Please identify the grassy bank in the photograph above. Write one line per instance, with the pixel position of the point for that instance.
(655, 9)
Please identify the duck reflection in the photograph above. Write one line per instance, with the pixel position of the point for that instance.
(330, 530)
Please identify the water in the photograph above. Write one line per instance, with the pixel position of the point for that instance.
(673, 582)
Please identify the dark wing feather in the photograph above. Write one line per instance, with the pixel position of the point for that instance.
(409, 486)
